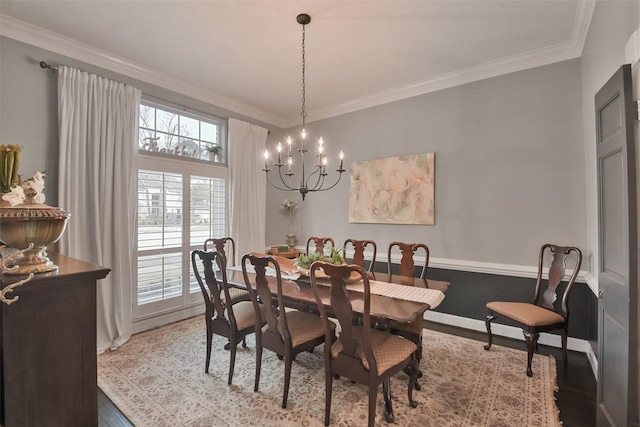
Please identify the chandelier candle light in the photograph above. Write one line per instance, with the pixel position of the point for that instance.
(314, 181)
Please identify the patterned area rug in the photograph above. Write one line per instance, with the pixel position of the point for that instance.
(157, 379)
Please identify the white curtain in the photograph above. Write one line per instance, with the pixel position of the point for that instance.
(247, 186)
(98, 127)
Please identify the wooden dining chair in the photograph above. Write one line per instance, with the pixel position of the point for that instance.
(358, 247)
(233, 321)
(406, 276)
(227, 247)
(319, 244)
(546, 312)
(361, 353)
(286, 333)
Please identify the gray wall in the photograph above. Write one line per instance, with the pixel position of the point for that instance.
(29, 112)
(509, 167)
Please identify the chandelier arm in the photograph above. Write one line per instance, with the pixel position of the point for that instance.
(289, 185)
(280, 188)
(336, 183)
(306, 180)
(320, 181)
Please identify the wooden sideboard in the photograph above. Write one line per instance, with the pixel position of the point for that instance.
(48, 369)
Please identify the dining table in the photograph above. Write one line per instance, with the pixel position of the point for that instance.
(401, 299)
(388, 300)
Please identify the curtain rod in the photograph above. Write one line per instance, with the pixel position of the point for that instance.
(44, 66)
(54, 69)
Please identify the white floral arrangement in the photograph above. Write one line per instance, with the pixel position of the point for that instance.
(33, 187)
(290, 206)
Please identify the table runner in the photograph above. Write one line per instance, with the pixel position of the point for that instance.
(433, 297)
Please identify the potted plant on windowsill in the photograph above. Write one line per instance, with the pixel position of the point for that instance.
(214, 152)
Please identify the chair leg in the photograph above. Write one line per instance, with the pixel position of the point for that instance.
(564, 345)
(209, 342)
(232, 359)
(287, 378)
(530, 347)
(388, 404)
(487, 321)
(373, 394)
(258, 361)
(412, 381)
(328, 380)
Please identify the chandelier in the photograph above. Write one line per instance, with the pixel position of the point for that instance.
(314, 180)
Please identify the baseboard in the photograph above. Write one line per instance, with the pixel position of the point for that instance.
(158, 320)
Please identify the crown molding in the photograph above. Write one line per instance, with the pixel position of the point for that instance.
(534, 58)
(36, 36)
(53, 42)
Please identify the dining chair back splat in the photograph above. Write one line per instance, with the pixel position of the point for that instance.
(227, 247)
(543, 314)
(359, 258)
(361, 353)
(233, 321)
(286, 333)
(407, 262)
(320, 243)
(224, 245)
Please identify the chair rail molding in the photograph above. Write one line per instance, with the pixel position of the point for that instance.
(479, 267)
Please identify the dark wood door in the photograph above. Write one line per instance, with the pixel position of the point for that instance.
(617, 242)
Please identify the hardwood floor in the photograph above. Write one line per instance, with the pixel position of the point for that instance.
(576, 396)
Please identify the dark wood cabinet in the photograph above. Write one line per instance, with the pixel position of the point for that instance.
(48, 370)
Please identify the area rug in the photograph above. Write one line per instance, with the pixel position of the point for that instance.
(157, 379)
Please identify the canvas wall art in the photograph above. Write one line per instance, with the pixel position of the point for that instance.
(395, 190)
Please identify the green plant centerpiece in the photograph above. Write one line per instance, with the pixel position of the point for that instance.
(305, 261)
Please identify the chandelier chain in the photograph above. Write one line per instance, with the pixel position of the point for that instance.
(304, 112)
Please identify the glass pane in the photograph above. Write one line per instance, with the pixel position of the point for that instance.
(209, 132)
(189, 127)
(166, 143)
(207, 209)
(159, 277)
(189, 148)
(147, 117)
(167, 122)
(146, 139)
(159, 210)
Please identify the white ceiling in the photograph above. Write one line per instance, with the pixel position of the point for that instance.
(246, 55)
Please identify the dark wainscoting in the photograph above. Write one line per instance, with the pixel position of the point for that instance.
(470, 292)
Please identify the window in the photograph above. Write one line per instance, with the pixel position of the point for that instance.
(181, 202)
(168, 132)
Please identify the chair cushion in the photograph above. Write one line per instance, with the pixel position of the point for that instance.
(526, 313)
(303, 327)
(245, 314)
(388, 349)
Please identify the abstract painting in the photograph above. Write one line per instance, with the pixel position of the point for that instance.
(395, 190)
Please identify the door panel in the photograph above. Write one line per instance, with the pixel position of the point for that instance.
(617, 242)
